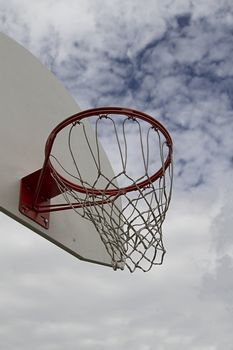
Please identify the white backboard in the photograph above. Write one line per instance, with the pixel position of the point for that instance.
(32, 103)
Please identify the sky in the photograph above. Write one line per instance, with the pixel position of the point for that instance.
(173, 60)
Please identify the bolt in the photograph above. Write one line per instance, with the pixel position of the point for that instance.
(46, 221)
(24, 208)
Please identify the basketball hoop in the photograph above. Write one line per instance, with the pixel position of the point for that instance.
(127, 209)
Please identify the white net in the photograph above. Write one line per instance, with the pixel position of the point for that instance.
(129, 207)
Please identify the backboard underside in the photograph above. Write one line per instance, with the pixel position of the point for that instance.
(32, 103)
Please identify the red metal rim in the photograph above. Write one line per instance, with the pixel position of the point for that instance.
(130, 113)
